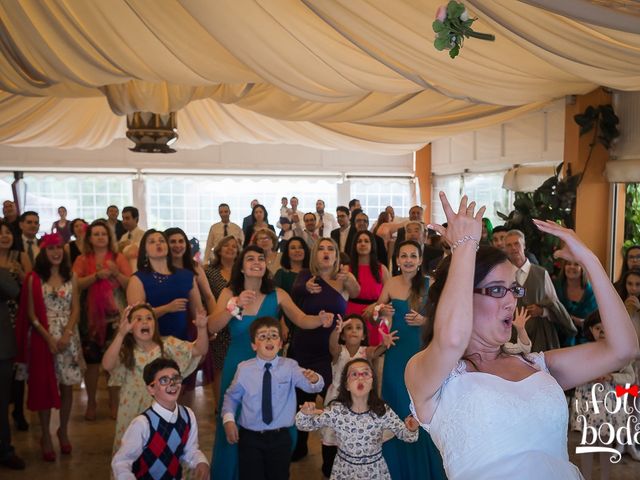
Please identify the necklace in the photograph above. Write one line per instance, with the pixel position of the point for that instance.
(159, 277)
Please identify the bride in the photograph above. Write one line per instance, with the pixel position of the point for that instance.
(493, 415)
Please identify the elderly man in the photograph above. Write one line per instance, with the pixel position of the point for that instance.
(549, 318)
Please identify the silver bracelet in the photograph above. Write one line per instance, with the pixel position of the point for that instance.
(463, 240)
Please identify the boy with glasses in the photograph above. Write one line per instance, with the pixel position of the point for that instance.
(165, 436)
(265, 389)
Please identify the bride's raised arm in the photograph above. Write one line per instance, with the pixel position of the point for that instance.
(453, 321)
(574, 366)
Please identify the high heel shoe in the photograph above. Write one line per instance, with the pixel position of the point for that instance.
(65, 448)
(47, 455)
(90, 413)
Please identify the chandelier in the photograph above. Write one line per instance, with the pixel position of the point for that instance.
(152, 132)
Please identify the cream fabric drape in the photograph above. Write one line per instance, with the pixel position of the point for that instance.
(351, 74)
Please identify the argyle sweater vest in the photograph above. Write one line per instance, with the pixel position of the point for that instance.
(160, 458)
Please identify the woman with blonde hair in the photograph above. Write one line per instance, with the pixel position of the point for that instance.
(268, 241)
(325, 286)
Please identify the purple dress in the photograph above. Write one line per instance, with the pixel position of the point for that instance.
(310, 348)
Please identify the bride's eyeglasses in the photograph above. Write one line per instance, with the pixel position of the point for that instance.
(499, 291)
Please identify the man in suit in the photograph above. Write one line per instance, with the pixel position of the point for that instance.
(549, 318)
(343, 235)
(362, 223)
(114, 224)
(248, 220)
(29, 225)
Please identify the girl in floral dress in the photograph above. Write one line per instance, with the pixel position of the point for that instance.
(136, 344)
(47, 332)
(359, 418)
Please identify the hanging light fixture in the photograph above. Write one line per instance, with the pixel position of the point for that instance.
(152, 132)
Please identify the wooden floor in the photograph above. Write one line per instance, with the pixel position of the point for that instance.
(92, 447)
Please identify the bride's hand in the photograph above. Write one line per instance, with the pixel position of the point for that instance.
(464, 223)
(573, 249)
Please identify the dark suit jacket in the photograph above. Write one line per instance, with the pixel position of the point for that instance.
(335, 235)
(9, 290)
(247, 222)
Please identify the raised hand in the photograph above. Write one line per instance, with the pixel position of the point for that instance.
(520, 317)
(326, 318)
(573, 249)
(340, 324)
(309, 408)
(411, 423)
(466, 222)
(387, 310)
(343, 273)
(389, 339)
(126, 325)
(246, 297)
(632, 303)
(414, 319)
(312, 286)
(310, 375)
(201, 319)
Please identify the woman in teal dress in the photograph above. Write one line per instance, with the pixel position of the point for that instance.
(252, 290)
(403, 298)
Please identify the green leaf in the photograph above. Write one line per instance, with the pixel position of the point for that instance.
(438, 26)
(441, 43)
(454, 9)
(453, 53)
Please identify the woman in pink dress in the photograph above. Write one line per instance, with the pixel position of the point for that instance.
(371, 275)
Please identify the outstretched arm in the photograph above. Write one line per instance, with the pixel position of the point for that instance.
(427, 369)
(574, 366)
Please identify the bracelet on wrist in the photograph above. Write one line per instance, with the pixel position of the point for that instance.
(463, 240)
(233, 308)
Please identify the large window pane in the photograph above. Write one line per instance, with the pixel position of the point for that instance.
(78, 192)
(376, 195)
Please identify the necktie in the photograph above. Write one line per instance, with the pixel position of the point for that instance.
(267, 410)
(226, 230)
(321, 225)
(129, 236)
(30, 250)
(520, 276)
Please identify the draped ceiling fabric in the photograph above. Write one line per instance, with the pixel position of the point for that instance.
(348, 74)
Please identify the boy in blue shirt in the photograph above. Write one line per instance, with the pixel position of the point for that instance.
(265, 389)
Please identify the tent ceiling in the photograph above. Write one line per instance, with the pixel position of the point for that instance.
(350, 74)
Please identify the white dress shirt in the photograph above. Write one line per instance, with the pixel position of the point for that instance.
(329, 222)
(134, 236)
(216, 233)
(137, 435)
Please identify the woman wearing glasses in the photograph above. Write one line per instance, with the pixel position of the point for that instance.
(495, 415)
(401, 304)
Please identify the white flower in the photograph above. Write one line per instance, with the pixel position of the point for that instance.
(464, 16)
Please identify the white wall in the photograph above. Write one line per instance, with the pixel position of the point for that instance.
(536, 138)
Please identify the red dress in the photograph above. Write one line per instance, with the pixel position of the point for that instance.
(369, 292)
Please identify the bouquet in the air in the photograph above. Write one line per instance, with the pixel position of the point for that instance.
(452, 25)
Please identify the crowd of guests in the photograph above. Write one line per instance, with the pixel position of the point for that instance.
(343, 301)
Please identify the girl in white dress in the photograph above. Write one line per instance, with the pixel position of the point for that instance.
(491, 414)
(359, 418)
(346, 344)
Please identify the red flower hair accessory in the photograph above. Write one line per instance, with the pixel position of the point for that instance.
(51, 240)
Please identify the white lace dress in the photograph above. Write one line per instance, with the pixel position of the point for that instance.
(489, 428)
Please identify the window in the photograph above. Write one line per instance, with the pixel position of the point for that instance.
(485, 188)
(191, 202)
(376, 195)
(84, 195)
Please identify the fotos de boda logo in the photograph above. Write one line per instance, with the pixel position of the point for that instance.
(621, 402)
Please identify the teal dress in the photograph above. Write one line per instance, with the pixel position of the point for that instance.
(406, 461)
(224, 464)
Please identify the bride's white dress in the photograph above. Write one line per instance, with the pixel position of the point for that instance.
(489, 428)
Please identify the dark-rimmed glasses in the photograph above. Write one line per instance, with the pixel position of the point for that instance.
(499, 291)
(166, 380)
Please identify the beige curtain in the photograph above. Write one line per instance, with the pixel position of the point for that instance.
(352, 74)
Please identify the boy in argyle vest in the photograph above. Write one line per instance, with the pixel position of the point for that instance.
(165, 436)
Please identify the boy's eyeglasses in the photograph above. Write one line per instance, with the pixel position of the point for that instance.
(166, 380)
(267, 336)
(499, 291)
(365, 374)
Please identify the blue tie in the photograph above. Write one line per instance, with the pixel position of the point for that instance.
(267, 410)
